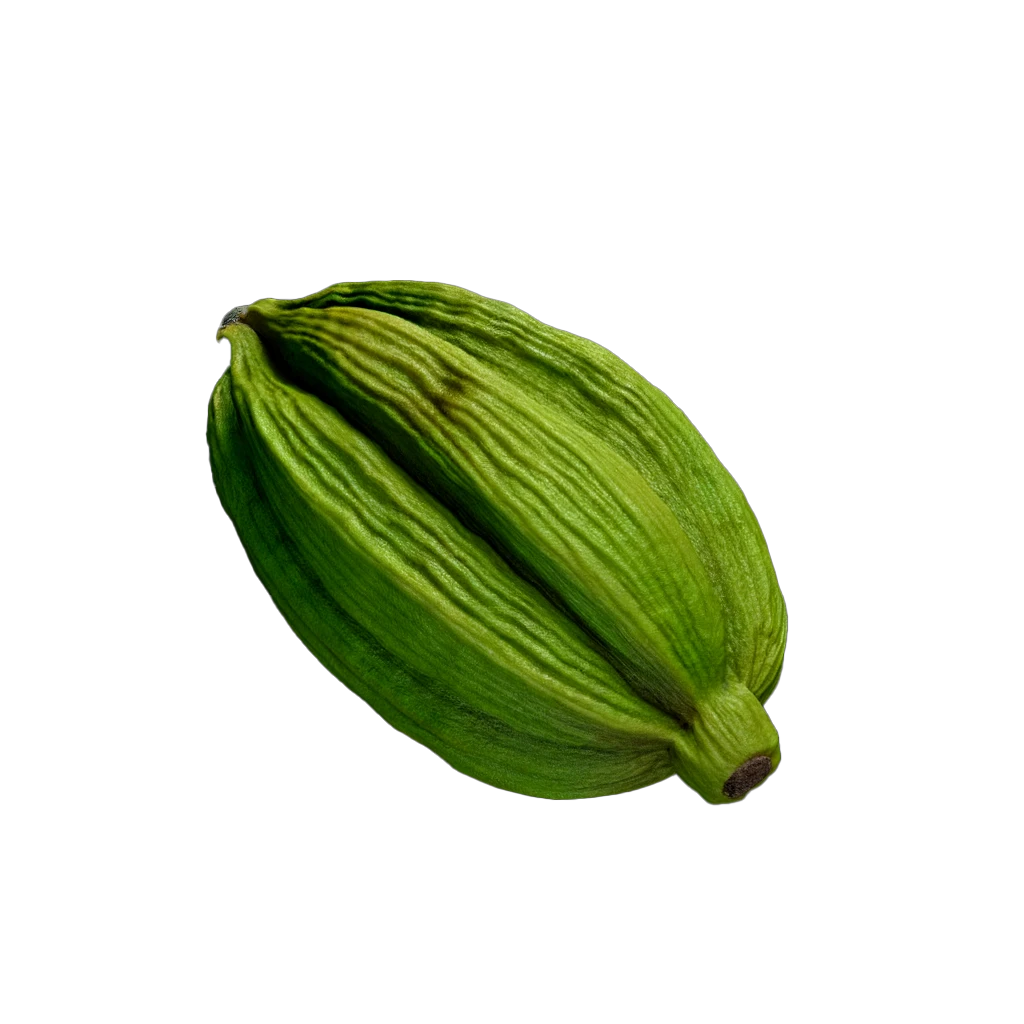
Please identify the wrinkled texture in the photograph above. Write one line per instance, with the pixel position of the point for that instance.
(510, 544)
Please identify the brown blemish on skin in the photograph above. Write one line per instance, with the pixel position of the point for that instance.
(445, 398)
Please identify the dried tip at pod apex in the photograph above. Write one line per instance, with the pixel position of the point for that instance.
(236, 315)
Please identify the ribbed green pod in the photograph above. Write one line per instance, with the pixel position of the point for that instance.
(607, 397)
(491, 574)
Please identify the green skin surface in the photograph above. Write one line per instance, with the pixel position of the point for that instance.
(494, 580)
(609, 399)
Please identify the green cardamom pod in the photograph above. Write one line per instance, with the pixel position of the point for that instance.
(504, 539)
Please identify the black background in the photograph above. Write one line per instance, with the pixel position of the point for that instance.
(283, 731)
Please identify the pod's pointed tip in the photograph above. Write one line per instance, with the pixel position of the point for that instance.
(234, 316)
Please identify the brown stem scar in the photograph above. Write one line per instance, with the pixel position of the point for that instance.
(749, 774)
